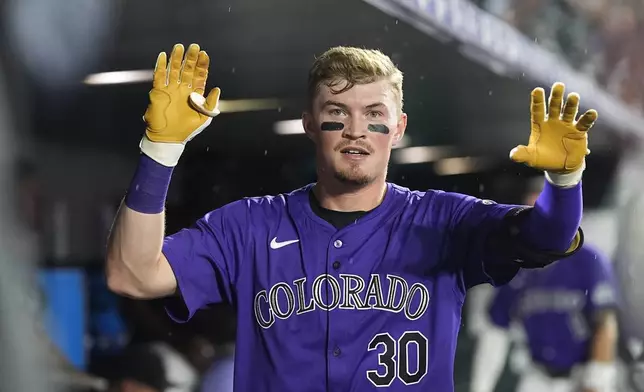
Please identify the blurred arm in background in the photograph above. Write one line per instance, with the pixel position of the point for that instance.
(605, 337)
(600, 371)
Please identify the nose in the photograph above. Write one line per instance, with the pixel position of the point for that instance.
(357, 129)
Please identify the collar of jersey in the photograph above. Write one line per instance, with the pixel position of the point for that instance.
(299, 204)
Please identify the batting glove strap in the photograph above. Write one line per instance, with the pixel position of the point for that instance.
(566, 180)
(167, 154)
(600, 376)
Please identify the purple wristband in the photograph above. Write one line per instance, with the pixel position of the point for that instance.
(149, 186)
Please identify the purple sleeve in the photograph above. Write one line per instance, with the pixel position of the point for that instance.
(473, 221)
(502, 305)
(602, 291)
(550, 226)
(205, 259)
(553, 222)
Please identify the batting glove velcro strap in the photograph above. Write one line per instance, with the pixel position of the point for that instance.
(600, 376)
(167, 154)
(566, 180)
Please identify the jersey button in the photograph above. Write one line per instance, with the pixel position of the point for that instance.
(336, 264)
(337, 244)
(337, 352)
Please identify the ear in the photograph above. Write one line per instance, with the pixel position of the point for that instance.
(400, 129)
(308, 123)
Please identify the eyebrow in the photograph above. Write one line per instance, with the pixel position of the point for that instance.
(335, 103)
(343, 106)
(375, 105)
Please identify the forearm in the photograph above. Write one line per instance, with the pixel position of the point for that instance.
(604, 341)
(136, 239)
(134, 248)
(600, 372)
(553, 222)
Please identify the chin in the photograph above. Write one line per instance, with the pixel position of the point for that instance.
(354, 177)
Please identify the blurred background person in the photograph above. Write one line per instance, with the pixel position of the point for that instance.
(629, 268)
(220, 366)
(152, 368)
(219, 376)
(567, 313)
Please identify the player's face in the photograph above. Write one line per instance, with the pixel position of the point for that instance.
(354, 131)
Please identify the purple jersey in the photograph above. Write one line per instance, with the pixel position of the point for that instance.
(375, 304)
(555, 306)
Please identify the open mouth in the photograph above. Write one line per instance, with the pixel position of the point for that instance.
(354, 151)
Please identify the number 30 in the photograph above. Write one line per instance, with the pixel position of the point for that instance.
(398, 366)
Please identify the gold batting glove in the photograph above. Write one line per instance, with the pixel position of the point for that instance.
(178, 110)
(558, 144)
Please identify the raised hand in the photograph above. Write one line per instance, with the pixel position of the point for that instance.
(178, 110)
(558, 143)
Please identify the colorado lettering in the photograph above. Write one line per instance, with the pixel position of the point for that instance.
(348, 292)
(539, 301)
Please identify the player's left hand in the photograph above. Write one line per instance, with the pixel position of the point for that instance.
(558, 143)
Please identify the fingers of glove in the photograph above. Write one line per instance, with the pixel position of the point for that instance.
(556, 100)
(538, 105)
(206, 106)
(201, 73)
(189, 63)
(520, 154)
(571, 108)
(174, 65)
(212, 100)
(587, 120)
(159, 77)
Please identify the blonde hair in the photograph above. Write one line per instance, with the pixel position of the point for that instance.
(343, 67)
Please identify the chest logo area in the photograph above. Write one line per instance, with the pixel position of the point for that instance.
(276, 245)
(345, 292)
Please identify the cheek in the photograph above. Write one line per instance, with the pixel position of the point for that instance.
(383, 142)
(328, 139)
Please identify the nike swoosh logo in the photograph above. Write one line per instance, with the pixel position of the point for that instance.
(277, 245)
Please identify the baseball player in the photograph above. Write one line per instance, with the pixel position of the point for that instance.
(567, 312)
(351, 283)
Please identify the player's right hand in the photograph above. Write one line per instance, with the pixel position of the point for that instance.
(178, 110)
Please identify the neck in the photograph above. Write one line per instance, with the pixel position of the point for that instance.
(337, 196)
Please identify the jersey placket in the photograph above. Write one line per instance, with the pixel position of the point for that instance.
(343, 356)
(337, 254)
